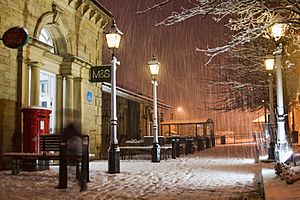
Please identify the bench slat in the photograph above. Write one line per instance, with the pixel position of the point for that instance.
(50, 142)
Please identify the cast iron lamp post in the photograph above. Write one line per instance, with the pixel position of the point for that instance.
(113, 40)
(277, 31)
(154, 69)
(269, 63)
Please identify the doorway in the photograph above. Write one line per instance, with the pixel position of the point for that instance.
(47, 94)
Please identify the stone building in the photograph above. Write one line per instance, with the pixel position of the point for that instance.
(52, 70)
(135, 117)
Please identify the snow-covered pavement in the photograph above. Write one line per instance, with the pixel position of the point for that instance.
(222, 172)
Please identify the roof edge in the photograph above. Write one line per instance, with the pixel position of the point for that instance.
(108, 12)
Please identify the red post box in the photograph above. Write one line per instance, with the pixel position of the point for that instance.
(36, 122)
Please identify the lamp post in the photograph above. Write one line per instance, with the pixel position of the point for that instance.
(154, 69)
(269, 63)
(281, 149)
(113, 38)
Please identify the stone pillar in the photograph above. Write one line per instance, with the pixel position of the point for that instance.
(78, 102)
(59, 103)
(68, 101)
(26, 84)
(35, 84)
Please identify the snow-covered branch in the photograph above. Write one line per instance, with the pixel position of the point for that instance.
(242, 81)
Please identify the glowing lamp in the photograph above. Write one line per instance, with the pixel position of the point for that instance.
(269, 63)
(113, 37)
(154, 67)
(277, 31)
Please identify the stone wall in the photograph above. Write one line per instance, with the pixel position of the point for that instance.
(76, 28)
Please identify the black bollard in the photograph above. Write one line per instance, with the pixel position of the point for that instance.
(191, 146)
(200, 144)
(174, 146)
(84, 165)
(207, 142)
(187, 146)
(177, 147)
(213, 141)
(63, 173)
(271, 151)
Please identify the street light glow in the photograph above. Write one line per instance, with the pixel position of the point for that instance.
(277, 31)
(269, 63)
(154, 66)
(113, 38)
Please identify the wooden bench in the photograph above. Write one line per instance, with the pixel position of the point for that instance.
(52, 147)
(49, 150)
(129, 151)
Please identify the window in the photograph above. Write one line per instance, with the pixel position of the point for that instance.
(44, 87)
(46, 38)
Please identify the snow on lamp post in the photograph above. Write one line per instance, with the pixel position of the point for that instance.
(269, 64)
(282, 152)
(113, 38)
(154, 69)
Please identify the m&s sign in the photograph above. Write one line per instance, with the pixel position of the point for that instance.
(100, 73)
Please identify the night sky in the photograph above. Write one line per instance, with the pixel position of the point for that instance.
(183, 74)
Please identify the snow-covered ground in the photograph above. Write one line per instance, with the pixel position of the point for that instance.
(222, 172)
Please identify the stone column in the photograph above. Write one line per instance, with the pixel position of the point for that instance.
(35, 83)
(68, 101)
(78, 102)
(26, 84)
(59, 103)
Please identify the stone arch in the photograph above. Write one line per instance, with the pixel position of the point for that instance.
(52, 22)
(209, 121)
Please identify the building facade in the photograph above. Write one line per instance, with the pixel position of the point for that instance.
(52, 70)
(135, 117)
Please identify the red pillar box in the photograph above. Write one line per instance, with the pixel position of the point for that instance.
(36, 122)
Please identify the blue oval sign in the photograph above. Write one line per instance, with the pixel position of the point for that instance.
(90, 96)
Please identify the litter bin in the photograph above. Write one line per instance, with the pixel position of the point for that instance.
(271, 151)
(188, 146)
(295, 137)
(207, 142)
(200, 143)
(223, 141)
(148, 140)
(161, 140)
(213, 141)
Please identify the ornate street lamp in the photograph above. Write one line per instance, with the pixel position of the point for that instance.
(154, 70)
(269, 64)
(113, 38)
(282, 152)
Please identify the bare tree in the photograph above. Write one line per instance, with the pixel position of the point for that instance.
(242, 80)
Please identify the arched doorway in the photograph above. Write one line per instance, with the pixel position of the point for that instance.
(48, 82)
(45, 79)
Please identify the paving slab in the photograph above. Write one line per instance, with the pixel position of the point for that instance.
(277, 189)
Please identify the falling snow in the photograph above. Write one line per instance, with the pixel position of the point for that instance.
(183, 79)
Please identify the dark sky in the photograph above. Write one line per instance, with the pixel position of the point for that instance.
(183, 75)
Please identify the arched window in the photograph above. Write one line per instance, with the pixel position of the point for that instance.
(46, 38)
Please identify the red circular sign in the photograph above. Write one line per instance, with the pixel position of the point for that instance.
(15, 37)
